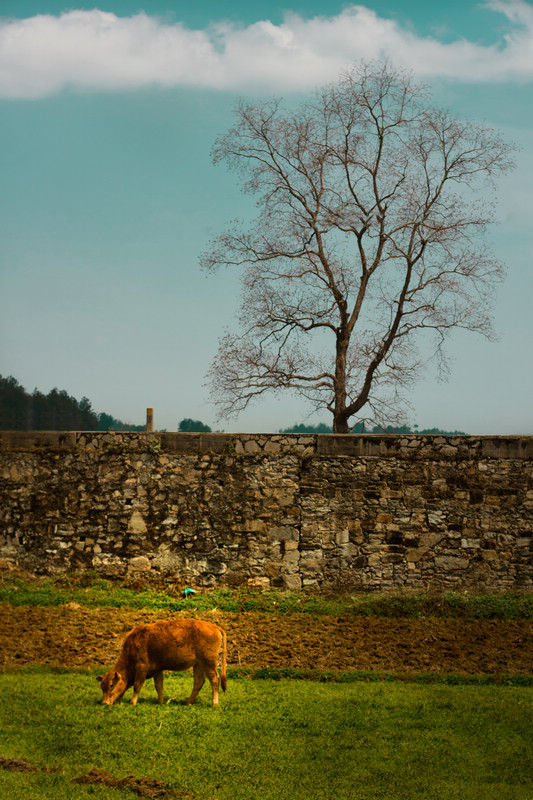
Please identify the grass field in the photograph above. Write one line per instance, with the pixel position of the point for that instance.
(269, 740)
(337, 737)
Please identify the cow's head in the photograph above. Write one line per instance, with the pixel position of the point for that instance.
(113, 686)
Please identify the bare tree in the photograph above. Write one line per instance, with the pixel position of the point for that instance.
(368, 235)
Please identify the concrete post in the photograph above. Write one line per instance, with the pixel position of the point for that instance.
(149, 420)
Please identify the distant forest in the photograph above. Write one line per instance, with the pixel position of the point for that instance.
(361, 428)
(55, 411)
(58, 411)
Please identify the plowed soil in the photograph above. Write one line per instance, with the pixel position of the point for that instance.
(75, 636)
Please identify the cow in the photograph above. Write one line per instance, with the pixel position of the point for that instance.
(174, 645)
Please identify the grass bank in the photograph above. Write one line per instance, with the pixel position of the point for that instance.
(269, 739)
(91, 590)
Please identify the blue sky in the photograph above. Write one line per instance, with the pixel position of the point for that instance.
(108, 194)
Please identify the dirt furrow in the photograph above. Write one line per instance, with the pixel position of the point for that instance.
(75, 636)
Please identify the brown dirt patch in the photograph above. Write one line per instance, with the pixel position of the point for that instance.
(143, 787)
(148, 788)
(17, 765)
(75, 636)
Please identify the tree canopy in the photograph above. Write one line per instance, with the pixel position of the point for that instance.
(55, 411)
(368, 247)
(193, 426)
(106, 422)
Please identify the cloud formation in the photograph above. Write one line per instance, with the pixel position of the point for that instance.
(98, 51)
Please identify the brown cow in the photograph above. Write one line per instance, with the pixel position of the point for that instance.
(167, 645)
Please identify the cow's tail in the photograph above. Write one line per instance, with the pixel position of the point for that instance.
(223, 678)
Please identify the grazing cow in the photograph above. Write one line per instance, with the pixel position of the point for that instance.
(167, 645)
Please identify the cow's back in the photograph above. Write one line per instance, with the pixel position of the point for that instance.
(173, 644)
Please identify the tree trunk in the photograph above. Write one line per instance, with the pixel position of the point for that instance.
(340, 417)
(340, 423)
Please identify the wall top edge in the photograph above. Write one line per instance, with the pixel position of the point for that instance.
(309, 444)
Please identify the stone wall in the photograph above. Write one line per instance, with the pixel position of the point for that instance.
(353, 512)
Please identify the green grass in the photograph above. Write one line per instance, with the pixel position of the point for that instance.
(93, 591)
(355, 676)
(271, 739)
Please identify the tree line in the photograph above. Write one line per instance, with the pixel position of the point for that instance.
(55, 411)
(360, 428)
(58, 411)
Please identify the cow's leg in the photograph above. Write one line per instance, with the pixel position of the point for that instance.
(199, 679)
(140, 677)
(212, 674)
(158, 682)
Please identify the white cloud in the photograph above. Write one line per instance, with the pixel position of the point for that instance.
(96, 50)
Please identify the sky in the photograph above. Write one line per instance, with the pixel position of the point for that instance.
(108, 194)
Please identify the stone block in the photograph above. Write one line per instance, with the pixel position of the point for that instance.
(137, 525)
(167, 561)
(342, 537)
(271, 447)
(283, 534)
(258, 582)
(256, 525)
(251, 447)
(470, 544)
(290, 544)
(416, 554)
(291, 558)
(292, 582)
(490, 555)
(139, 564)
(451, 563)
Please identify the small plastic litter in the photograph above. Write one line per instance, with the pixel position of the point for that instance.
(188, 592)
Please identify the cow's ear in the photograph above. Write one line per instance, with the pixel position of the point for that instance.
(100, 678)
